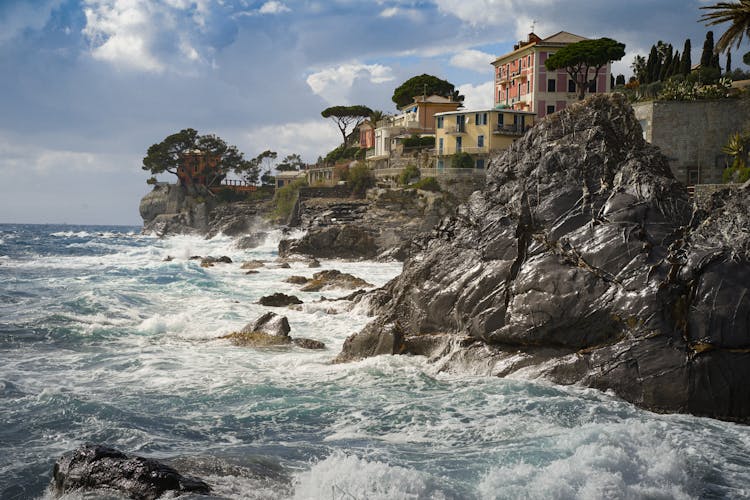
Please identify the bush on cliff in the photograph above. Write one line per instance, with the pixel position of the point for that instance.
(360, 178)
(409, 174)
(286, 197)
(428, 184)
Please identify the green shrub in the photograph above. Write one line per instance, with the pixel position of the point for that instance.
(286, 197)
(151, 181)
(360, 178)
(344, 153)
(428, 184)
(409, 174)
(462, 160)
(416, 141)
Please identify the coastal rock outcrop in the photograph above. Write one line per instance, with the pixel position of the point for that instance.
(173, 209)
(381, 224)
(583, 261)
(279, 299)
(327, 280)
(96, 467)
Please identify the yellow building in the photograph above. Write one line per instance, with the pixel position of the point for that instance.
(477, 133)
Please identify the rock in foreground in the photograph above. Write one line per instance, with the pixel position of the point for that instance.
(582, 261)
(93, 467)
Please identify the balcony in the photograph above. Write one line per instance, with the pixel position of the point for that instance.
(458, 129)
(510, 129)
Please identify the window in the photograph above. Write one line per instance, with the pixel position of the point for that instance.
(551, 85)
(500, 119)
(459, 144)
(592, 86)
(480, 163)
(528, 87)
(480, 141)
(550, 110)
(440, 146)
(571, 86)
(460, 123)
(519, 90)
(499, 95)
(477, 119)
(441, 164)
(439, 122)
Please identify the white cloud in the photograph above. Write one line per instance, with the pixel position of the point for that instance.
(390, 12)
(478, 96)
(309, 139)
(273, 7)
(475, 60)
(146, 35)
(335, 84)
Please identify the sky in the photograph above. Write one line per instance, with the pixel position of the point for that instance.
(88, 85)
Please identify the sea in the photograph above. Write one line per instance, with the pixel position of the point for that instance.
(104, 339)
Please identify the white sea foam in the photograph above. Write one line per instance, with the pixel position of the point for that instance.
(346, 476)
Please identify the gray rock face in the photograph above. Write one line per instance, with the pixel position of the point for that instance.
(99, 467)
(279, 299)
(364, 229)
(172, 209)
(583, 257)
(269, 323)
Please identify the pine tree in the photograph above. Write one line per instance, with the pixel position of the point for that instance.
(708, 50)
(685, 62)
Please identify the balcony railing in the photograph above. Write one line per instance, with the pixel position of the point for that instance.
(511, 129)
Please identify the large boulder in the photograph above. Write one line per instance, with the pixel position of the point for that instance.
(279, 299)
(96, 467)
(583, 259)
(347, 241)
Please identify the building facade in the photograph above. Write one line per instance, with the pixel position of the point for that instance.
(477, 133)
(522, 81)
(417, 118)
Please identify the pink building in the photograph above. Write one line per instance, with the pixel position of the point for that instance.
(522, 81)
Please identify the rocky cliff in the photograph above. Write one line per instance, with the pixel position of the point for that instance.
(173, 209)
(582, 261)
(384, 223)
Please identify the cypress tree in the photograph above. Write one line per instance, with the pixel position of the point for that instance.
(666, 63)
(715, 62)
(708, 50)
(652, 66)
(675, 67)
(685, 62)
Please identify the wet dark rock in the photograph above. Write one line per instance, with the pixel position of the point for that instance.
(168, 258)
(210, 261)
(96, 467)
(296, 280)
(347, 241)
(583, 261)
(278, 300)
(270, 323)
(270, 330)
(308, 343)
(252, 271)
(251, 241)
(314, 263)
(329, 279)
(253, 264)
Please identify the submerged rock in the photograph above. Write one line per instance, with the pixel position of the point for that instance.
(278, 299)
(584, 259)
(92, 467)
(268, 330)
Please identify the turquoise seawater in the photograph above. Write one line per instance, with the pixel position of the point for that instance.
(102, 340)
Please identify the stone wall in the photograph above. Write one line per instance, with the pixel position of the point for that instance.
(338, 191)
(691, 134)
